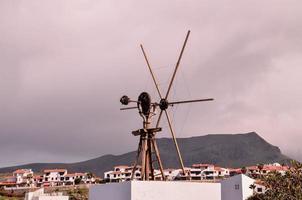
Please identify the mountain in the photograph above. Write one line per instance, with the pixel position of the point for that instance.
(234, 150)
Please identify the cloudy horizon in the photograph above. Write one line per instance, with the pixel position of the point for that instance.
(65, 64)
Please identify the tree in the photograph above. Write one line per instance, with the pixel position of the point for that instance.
(260, 168)
(243, 170)
(90, 175)
(77, 181)
(282, 186)
(253, 187)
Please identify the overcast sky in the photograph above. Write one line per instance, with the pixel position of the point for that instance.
(65, 64)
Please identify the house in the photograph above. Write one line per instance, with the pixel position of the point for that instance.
(256, 171)
(23, 177)
(8, 182)
(38, 180)
(170, 174)
(208, 172)
(221, 172)
(122, 173)
(54, 177)
(196, 172)
(239, 187)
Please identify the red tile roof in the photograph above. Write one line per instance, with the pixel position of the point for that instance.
(70, 175)
(21, 171)
(218, 169)
(202, 165)
(80, 174)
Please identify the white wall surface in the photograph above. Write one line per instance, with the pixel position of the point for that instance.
(246, 182)
(52, 198)
(229, 190)
(156, 190)
(173, 190)
(112, 191)
(39, 195)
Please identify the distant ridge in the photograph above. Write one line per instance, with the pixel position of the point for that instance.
(227, 150)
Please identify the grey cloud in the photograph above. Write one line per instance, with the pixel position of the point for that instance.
(64, 65)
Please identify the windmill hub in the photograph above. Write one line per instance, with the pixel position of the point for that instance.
(163, 104)
(144, 102)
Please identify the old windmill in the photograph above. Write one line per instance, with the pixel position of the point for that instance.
(147, 109)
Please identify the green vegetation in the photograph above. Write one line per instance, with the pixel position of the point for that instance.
(9, 198)
(77, 181)
(78, 194)
(282, 187)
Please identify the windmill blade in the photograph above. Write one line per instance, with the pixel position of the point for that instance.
(190, 101)
(159, 118)
(151, 72)
(177, 64)
(128, 108)
(175, 141)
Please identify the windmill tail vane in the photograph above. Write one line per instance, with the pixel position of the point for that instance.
(147, 152)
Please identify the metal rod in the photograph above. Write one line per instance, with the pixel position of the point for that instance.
(175, 142)
(158, 119)
(128, 108)
(177, 64)
(190, 101)
(150, 69)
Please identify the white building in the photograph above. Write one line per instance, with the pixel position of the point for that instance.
(54, 177)
(122, 173)
(233, 188)
(196, 172)
(237, 187)
(256, 171)
(156, 190)
(23, 177)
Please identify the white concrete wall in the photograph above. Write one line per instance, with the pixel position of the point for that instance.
(39, 195)
(112, 191)
(246, 182)
(236, 188)
(156, 190)
(229, 190)
(53, 198)
(173, 190)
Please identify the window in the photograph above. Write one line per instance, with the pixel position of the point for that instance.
(237, 187)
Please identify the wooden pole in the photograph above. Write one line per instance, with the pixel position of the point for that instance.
(158, 158)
